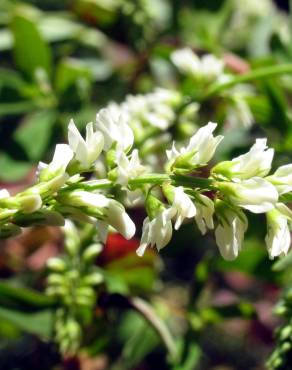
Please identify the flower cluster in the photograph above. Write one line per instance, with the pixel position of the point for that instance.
(238, 185)
(182, 191)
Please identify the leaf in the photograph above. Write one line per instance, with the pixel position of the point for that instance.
(12, 170)
(16, 108)
(134, 273)
(35, 129)
(39, 323)
(101, 11)
(24, 297)
(191, 353)
(69, 72)
(30, 49)
(283, 263)
(140, 338)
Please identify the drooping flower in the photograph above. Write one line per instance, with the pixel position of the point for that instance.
(204, 214)
(181, 205)
(118, 218)
(229, 234)
(198, 152)
(282, 179)
(278, 237)
(108, 211)
(115, 129)
(156, 232)
(256, 194)
(255, 163)
(86, 151)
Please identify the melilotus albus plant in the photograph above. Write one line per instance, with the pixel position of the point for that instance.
(127, 158)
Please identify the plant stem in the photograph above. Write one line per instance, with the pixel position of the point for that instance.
(159, 179)
(255, 74)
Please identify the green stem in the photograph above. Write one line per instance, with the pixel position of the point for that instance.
(153, 179)
(183, 180)
(191, 181)
(255, 74)
(92, 185)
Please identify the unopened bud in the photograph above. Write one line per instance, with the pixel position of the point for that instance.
(93, 279)
(92, 252)
(56, 264)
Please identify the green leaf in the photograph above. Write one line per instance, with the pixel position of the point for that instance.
(135, 274)
(283, 263)
(69, 72)
(23, 297)
(12, 170)
(36, 129)
(16, 108)
(39, 323)
(30, 49)
(140, 338)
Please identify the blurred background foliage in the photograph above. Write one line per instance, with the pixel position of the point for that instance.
(63, 59)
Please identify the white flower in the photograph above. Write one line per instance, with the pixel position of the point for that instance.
(155, 109)
(238, 111)
(165, 96)
(278, 237)
(86, 151)
(85, 198)
(230, 231)
(256, 162)
(200, 149)
(256, 194)
(4, 193)
(204, 215)
(156, 232)
(282, 179)
(109, 210)
(115, 129)
(62, 156)
(186, 61)
(209, 67)
(182, 206)
(118, 218)
(128, 167)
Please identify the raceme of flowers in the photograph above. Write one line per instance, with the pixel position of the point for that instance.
(177, 194)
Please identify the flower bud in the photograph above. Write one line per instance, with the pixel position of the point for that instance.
(91, 252)
(56, 264)
(94, 278)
